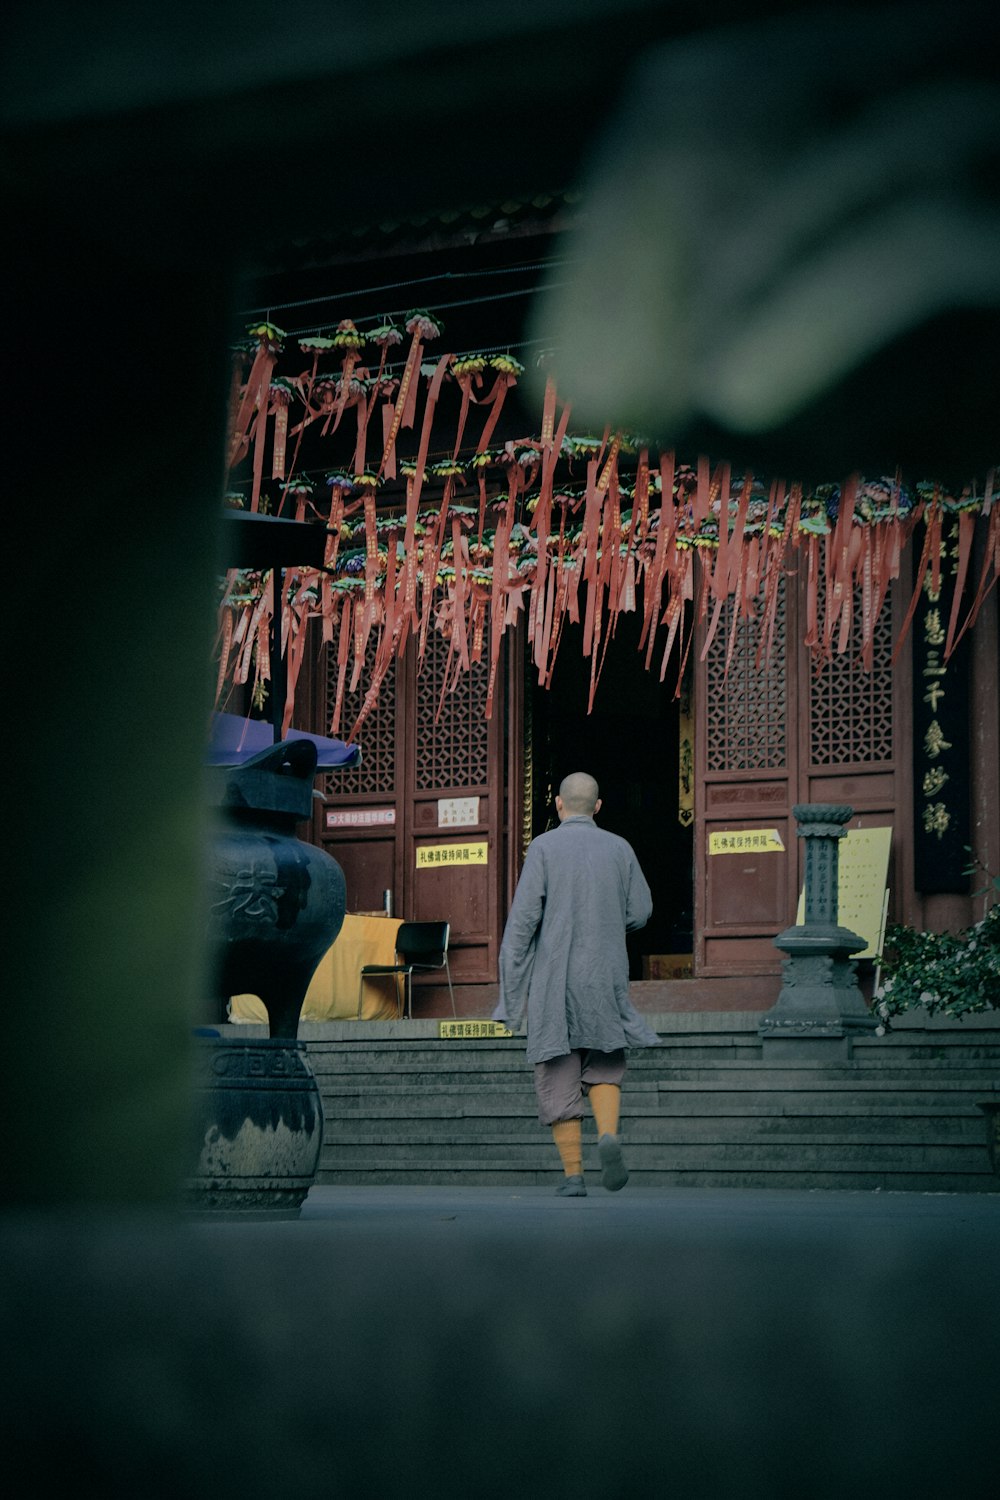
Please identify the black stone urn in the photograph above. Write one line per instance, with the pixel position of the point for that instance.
(276, 906)
(277, 903)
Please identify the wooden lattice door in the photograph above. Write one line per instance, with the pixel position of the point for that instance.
(422, 816)
(452, 835)
(772, 733)
(855, 740)
(746, 775)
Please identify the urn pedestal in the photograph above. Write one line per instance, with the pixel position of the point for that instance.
(258, 1128)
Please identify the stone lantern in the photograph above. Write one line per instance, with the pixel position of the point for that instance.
(820, 1006)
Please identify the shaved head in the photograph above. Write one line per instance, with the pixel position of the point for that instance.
(579, 793)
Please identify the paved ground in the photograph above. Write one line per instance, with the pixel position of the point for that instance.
(475, 1342)
(661, 1214)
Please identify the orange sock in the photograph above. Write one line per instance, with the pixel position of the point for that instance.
(567, 1135)
(605, 1101)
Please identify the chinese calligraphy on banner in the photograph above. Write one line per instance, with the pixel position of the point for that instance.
(940, 736)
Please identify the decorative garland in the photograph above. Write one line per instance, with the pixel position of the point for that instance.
(561, 526)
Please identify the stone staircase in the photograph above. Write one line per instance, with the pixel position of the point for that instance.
(707, 1108)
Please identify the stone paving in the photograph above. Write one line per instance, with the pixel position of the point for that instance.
(666, 1214)
(473, 1342)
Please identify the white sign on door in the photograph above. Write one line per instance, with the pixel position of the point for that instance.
(456, 812)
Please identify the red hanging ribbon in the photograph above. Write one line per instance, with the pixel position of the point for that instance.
(343, 652)
(406, 384)
(966, 527)
(932, 542)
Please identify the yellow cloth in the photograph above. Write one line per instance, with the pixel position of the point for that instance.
(568, 1136)
(605, 1101)
(333, 990)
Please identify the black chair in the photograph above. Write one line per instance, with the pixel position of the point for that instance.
(421, 948)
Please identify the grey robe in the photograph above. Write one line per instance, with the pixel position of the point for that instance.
(563, 957)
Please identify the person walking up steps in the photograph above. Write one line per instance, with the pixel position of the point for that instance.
(564, 977)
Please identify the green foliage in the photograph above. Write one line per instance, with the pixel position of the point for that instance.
(952, 974)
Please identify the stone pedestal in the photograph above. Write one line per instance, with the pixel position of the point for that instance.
(820, 1005)
(257, 1128)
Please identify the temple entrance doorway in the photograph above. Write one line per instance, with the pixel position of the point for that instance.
(633, 742)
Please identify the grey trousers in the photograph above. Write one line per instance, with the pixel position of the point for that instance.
(562, 1082)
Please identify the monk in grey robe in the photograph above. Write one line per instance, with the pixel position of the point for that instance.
(564, 976)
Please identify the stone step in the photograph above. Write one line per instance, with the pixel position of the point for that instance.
(332, 1060)
(470, 1174)
(968, 1125)
(766, 1082)
(476, 1073)
(517, 1121)
(974, 1046)
(975, 1041)
(660, 1094)
(422, 1054)
(928, 1088)
(686, 1049)
(649, 1143)
(796, 1154)
(495, 1051)
(708, 1107)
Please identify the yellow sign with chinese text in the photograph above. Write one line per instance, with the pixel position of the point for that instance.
(745, 841)
(862, 872)
(465, 1029)
(436, 856)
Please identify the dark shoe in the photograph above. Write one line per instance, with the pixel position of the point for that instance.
(572, 1187)
(613, 1173)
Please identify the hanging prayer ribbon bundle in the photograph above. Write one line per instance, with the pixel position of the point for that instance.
(480, 541)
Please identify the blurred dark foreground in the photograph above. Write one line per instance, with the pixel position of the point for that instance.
(479, 1342)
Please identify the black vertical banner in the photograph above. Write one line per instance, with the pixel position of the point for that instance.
(941, 823)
